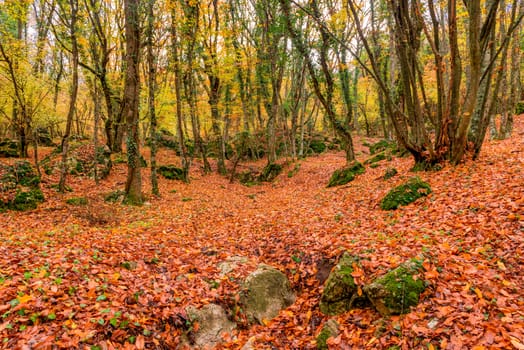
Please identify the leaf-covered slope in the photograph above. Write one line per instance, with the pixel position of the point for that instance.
(111, 275)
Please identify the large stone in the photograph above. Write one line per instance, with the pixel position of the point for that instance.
(19, 187)
(398, 290)
(213, 324)
(345, 175)
(265, 292)
(340, 287)
(405, 194)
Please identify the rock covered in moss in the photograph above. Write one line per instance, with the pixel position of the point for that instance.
(405, 194)
(339, 287)
(329, 330)
(8, 149)
(19, 187)
(389, 173)
(213, 324)
(398, 290)
(266, 291)
(171, 172)
(381, 146)
(377, 158)
(345, 175)
(270, 172)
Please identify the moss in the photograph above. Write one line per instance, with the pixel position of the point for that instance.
(396, 291)
(6, 152)
(317, 146)
(143, 162)
(381, 146)
(120, 158)
(171, 172)
(247, 178)
(295, 170)
(25, 174)
(114, 196)
(377, 158)
(426, 166)
(389, 173)
(270, 172)
(129, 265)
(77, 201)
(405, 194)
(330, 329)
(339, 287)
(27, 200)
(519, 108)
(322, 338)
(345, 175)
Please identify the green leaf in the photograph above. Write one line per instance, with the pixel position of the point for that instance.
(101, 297)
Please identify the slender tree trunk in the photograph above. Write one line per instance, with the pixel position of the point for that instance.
(151, 82)
(74, 92)
(133, 187)
(96, 101)
(178, 77)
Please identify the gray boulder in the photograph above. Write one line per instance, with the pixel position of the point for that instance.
(266, 291)
(212, 325)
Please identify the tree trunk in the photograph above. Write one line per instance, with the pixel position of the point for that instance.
(151, 84)
(133, 187)
(74, 92)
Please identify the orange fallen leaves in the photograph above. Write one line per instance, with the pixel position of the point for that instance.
(120, 277)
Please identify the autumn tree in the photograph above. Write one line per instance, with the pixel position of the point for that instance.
(68, 12)
(25, 92)
(460, 95)
(324, 92)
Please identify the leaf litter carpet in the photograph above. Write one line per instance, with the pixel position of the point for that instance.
(108, 276)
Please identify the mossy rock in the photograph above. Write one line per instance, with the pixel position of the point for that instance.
(405, 194)
(27, 200)
(519, 108)
(270, 172)
(19, 185)
(9, 149)
(317, 146)
(345, 175)
(248, 178)
(381, 146)
(398, 290)
(389, 173)
(329, 330)
(115, 196)
(265, 292)
(339, 287)
(377, 158)
(6, 152)
(171, 172)
(22, 173)
(77, 201)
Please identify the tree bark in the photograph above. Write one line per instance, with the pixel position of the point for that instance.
(133, 187)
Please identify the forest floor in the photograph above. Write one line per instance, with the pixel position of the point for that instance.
(104, 275)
